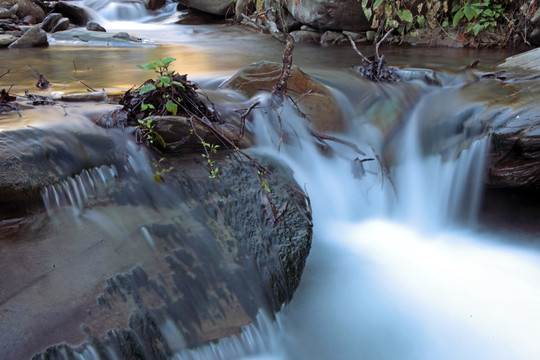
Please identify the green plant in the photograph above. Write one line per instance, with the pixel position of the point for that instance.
(208, 150)
(145, 132)
(166, 81)
(478, 15)
(264, 183)
(407, 16)
(160, 171)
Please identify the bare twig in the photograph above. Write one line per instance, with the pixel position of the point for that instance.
(356, 49)
(244, 116)
(74, 65)
(322, 137)
(4, 74)
(384, 170)
(280, 128)
(88, 86)
(380, 42)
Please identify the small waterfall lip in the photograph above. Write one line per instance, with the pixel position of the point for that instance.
(79, 191)
(258, 340)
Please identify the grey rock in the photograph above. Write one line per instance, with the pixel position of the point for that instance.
(27, 7)
(215, 7)
(529, 60)
(154, 4)
(50, 21)
(75, 14)
(534, 38)
(7, 13)
(61, 25)
(94, 37)
(332, 38)
(330, 15)
(535, 20)
(33, 37)
(306, 36)
(94, 26)
(6, 39)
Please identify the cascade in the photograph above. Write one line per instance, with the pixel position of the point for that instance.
(397, 269)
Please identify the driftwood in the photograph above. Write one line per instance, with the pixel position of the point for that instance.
(374, 68)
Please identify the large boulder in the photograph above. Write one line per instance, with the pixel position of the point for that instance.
(33, 37)
(215, 7)
(313, 97)
(146, 270)
(75, 14)
(30, 160)
(330, 15)
(28, 8)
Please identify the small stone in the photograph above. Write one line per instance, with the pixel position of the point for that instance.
(6, 40)
(50, 21)
(306, 36)
(61, 25)
(331, 38)
(94, 26)
(370, 36)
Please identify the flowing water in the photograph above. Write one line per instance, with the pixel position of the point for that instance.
(399, 268)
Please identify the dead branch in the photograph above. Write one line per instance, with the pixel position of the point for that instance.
(384, 170)
(244, 116)
(322, 137)
(89, 88)
(42, 82)
(4, 74)
(380, 42)
(281, 85)
(356, 49)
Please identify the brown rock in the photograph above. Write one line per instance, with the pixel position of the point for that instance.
(312, 96)
(27, 7)
(33, 37)
(6, 39)
(50, 21)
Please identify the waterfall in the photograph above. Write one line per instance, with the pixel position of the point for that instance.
(123, 14)
(400, 274)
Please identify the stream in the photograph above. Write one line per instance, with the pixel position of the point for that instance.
(400, 266)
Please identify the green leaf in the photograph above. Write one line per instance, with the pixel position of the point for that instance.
(421, 20)
(165, 80)
(377, 4)
(469, 12)
(405, 15)
(149, 66)
(147, 88)
(265, 186)
(171, 107)
(476, 29)
(167, 60)
(159, 63)
(179, 84)
(146, 106)
(368, 13)
(457, 17)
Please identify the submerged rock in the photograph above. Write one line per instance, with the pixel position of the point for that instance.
(312, 97)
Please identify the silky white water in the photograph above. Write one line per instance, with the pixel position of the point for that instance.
(394, 275)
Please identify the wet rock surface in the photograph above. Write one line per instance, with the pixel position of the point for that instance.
(191, 261)
(312, 97)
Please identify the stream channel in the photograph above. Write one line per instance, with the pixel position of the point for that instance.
(401, 271)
